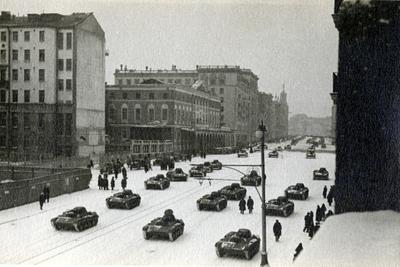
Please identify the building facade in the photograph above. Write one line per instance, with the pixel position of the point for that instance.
(51, 86)
(367, 94)
(167, 117)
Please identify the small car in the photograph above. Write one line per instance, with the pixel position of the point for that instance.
(310, 154)
(77, 219)
(123, 200)
(241, 243)
(216, 165)
(242, 154)
(321, 174)
(213, 201)
(279, 207)
(273, 154)
(157, 182)
(252, 179)
(197, 171)
(323, 145)
(256, 148)
(177, 175)
(207, 167)
(297, 191)
(166, 227)
(233, 191)
(288, 147)
(279, 148)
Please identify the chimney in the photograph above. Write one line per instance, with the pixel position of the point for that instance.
(173, 67)
(147, 68)
(120, 66)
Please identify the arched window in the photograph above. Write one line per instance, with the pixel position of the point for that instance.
(150, 110)
(124, 113)
(111, 113)
(138, 110)
(164, 112)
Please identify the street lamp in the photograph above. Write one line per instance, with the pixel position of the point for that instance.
(260, 133)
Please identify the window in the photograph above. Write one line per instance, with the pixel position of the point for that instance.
(27, 74)
(59, 123)
(14, 120)
(124, 113)
(15, 75)
(27, 96)
(111, 113)
(60, 84)
(15, 54)
(151, 112)
(41, 75)
(170, 80)
(69, 40)
(60, 40)
(3, 54)
(4, 36)
(151, 95)
(15, 36)
(69, 64)
(187, 81)
(15, 96)
(68, 84)
(3, 75)
(164, 112)
(112, 95)
(3, 116)
(2, 96)
(60, 64)
(2, 140)
(27, 55)
(41, 55)
(68, 124)
(137, 81)
(165, 95)
(41, 96)
(27, 121)
(27, 36)
(40, 120)
(41, 36)
(178, 81)
(120, 81)
(128, 81)
(137, 112)
(221, 91)
(137, 95)
(124, 95)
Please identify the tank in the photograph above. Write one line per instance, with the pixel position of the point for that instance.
(166, 227)
(297, 191)
(197, 171)
(288, 147)
(177, 175)
(216, 165)
(252, 179)
(279, 148)
(279, 207)
(240, 244)
(123, 200)
(157, 182)
(78, 219)
(233, 191)
(207, 167)
(321, 174)
(310, 154)
(213, 201)
(273, 154)
(242, 154)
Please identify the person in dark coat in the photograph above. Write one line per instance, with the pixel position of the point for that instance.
(99, 181)
(46, 192)
(242, 205)
(146, 167)
(298, 249)
(323, 211)
(330, 198)
(324, 191)
(112, 183)
(123, 172)
(318, 216)
(250, 204)
(106, 184)
(329, 213)
(277, 228)
(116, 172)
(42, 198)
(123, 183)
(306, 222)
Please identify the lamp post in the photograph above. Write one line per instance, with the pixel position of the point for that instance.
(260, 133)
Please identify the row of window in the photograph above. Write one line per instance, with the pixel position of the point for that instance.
(41, 37)
(138, 95)
(170, 81)
(137, 115)
(27, 96)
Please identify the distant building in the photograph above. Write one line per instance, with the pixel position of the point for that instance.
(301, 124)
(51, 86)
(152, 117)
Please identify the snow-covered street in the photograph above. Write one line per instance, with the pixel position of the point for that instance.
(28, 236)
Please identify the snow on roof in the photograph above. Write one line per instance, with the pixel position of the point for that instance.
(355, 239)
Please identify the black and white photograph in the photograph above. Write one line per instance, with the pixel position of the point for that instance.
(229, 133)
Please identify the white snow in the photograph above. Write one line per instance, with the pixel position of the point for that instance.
(28, 237)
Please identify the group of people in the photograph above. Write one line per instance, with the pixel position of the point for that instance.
(44, 196)
(167, 163)
(249, 203)
(102, 180)
(330, 195)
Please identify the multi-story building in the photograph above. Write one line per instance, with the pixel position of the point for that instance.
(51, 85)
(157, 115)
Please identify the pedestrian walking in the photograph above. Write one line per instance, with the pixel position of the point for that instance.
(99, 181)
(123, 183)
(116, 172)
(42, 198)
(323, 211)
(46, 192)
(106, 184)
(324, 191)
(306, 222)
(318, 216)
(329, 197)
(242, 205)
(250, 204)
(277, 228)
(112, 183)
(329, 213)
(123, 171)
(298, 249)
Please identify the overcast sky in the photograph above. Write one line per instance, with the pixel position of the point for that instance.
(282, 41)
